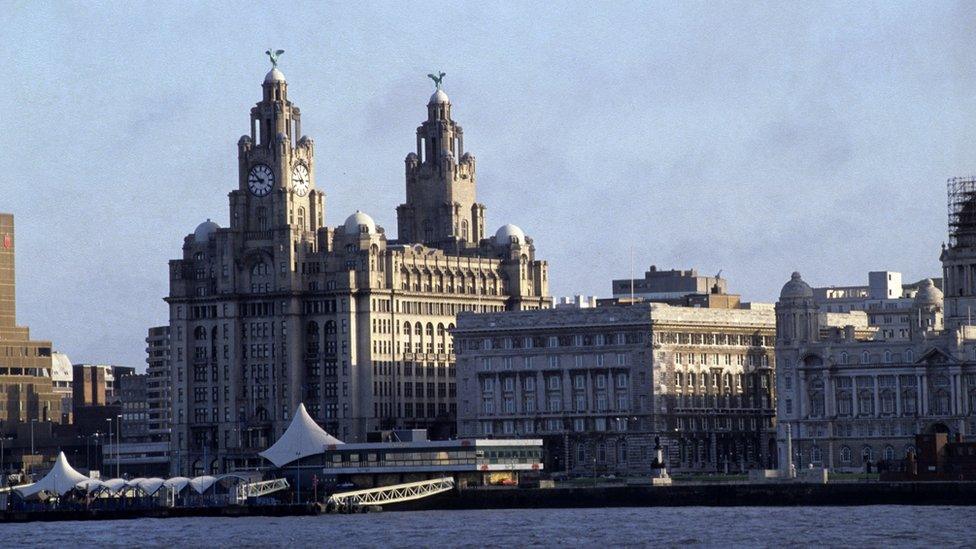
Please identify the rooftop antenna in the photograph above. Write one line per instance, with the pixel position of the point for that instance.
(631, 273)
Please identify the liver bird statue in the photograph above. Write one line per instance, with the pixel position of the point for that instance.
(273, 55)
(437, 79)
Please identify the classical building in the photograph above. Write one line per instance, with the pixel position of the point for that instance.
(26, 388)
(158, 386)
(598, 384)
(852, 394)
(280, 308)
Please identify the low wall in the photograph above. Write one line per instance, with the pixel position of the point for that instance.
(677, 495)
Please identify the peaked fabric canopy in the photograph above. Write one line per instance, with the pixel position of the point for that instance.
(114, 484)
(176, 484)
(90, 485)
(60, 480)
(202, 483)
(302, 438)
(151, 485)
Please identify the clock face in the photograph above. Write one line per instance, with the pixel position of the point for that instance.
(299, 179)
(260, 180)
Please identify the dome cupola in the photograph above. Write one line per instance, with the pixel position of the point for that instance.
(507, 234)
(796, 288)
(204, 231)
(359, 223)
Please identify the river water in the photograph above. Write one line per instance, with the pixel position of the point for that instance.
(872, 526)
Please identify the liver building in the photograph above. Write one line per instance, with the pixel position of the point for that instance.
(280, 308)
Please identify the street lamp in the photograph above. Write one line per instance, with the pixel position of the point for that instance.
(109, 420)
(118, 443)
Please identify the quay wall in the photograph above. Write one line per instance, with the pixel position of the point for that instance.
(706, 495)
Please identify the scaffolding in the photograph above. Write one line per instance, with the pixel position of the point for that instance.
(962, 211)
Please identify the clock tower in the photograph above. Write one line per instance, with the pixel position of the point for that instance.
(276, 170)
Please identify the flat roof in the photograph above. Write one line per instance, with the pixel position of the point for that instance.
(456, 443)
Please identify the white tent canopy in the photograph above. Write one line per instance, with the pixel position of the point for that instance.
(60, 480)
(151, 485)
(176, 484)
(202, 483)
(90, 485)
(114, 484)
(302, 438)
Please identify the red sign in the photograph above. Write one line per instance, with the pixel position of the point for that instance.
(8, 241)
(535, 466)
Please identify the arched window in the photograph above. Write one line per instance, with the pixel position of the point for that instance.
(580, 454)
(865, 357)
(867, 453)
(845, 454)
(910, 356)
(909, 449)
(260, 269)
(301, 219)
(843, 358)
(200, 333)
(601, 452)
(889, 453)
(815, 454)
(262, 218)
(464, 229)
(887, 356)
(622, 453)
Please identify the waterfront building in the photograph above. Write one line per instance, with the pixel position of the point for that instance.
(26, 386)
(887, 301)
(851, 394)
(279, 308)
(598, 384)
(158, 386)
(399, 456)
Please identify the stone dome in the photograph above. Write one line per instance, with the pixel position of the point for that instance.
(355, 223)
(796, 288)
(274, 75)
(438, 98)
(204, 231)
(928, 294)
(506, 233)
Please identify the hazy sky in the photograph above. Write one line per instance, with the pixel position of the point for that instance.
(753, 138)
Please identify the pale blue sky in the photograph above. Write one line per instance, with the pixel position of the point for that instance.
(753, 138)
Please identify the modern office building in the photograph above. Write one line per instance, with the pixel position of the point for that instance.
(158, 386)
(26, 387)
(280, 308)
(849, 395)
(134, 399)
(599, 384)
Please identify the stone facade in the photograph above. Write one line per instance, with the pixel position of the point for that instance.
(851, 394)
(26, 388)
(280, 308)
(600, 383)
